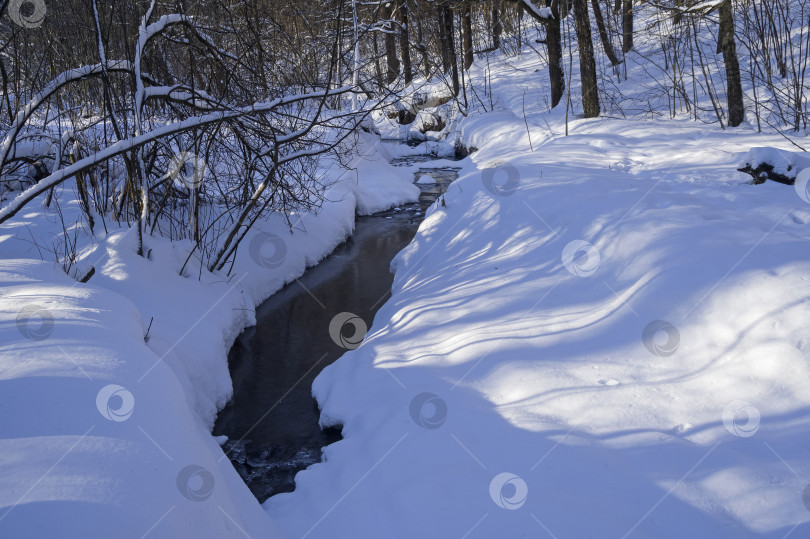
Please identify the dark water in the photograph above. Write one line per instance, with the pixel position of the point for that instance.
(272, 420)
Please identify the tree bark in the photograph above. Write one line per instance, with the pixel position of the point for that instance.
(587, 63)
(404, 42)
(390, 45)
(377, 67)
(556, 73)
(627, 25)
(734, 94)
(603, 35)
(420, 39)
(497, 26)
(553, 43)
(443, 40)
(448, 45)
(468, 41)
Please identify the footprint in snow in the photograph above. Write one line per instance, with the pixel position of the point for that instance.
(609, 382)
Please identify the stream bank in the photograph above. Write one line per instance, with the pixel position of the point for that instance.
(272, 420)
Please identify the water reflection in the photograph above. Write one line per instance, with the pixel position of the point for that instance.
(272, 420)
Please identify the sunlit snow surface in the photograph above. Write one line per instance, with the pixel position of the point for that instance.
(603, 337)
(106, 435)
(599, 335)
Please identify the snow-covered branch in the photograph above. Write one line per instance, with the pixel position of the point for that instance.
(139, 141)
(67, 77)
(195, 98)
(702, 7)
(540, 14)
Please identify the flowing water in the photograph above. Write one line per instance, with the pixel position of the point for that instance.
(272, 420)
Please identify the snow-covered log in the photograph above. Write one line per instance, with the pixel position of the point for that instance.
(773, 164)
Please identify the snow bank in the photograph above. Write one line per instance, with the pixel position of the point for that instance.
(383, 186)
(600, 335)
(107, 432)
(784, 162)
(91, 446)
(773, 163)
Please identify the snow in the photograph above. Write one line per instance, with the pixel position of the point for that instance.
(55, 178)
(666, 366)
(426, 179)
(105, 433)
(53, 86)
(542, 12)
(71, 470)
(786, 163)
(383, 186)
(597, 335)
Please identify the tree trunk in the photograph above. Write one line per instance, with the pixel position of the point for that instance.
(448, 45)
(556, 73)
(553, 27)
(468, 40)
(377, 68)
(443, 40)
(497, 26)
(404, 42)
(420, 39)
(603, 35)
(736, 109)
(627, 25)
(587, 63)
(390, 44)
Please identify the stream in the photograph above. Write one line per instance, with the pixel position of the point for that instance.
(272, 420)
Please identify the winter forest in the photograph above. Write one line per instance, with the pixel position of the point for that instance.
(417, 268)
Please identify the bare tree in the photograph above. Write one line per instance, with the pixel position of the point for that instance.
(188, 95)
(587, 63)
(607, 46)
(390, 38)
(466, 19)
(734, 95)
(550, 17)
(405, 42)
(627, 25)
